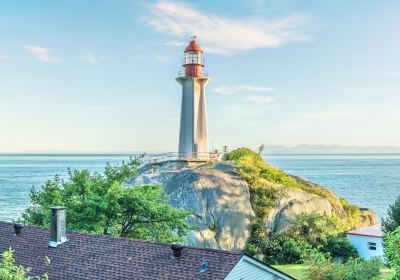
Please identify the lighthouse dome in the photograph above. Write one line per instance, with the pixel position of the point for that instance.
(193, 46)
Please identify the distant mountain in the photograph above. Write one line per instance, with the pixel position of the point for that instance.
(330, 149)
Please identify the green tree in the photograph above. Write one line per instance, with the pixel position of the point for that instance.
(101, 203)
(261, 149)
(393, 217)
(392, 251)
(10, 271)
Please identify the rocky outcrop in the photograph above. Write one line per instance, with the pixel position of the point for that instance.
(219, 201)
(217, 197)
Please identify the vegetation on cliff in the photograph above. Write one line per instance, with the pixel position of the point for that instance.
(309, 232)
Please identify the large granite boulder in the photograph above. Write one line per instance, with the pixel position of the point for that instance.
(217, 197)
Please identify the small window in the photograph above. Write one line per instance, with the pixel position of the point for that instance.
(372, 246)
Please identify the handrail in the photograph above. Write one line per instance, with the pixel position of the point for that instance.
(157, 158)
(201, 74)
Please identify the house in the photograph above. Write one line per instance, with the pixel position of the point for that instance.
(76, 255)
(368, 241)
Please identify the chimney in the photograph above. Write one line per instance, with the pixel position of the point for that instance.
(177, 250)
(18, 229)
(57, 226)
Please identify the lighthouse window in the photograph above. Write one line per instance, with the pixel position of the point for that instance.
(193, 57)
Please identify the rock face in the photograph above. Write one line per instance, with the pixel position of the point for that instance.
(215, 195)
(292, 204)
(219, 201)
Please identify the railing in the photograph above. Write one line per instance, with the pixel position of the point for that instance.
(157, 158)
(201, 74)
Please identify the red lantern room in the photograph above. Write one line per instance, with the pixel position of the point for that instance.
(193, 61)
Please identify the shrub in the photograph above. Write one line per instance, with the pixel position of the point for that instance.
(321, 267)
(392, 251)
(339, 247)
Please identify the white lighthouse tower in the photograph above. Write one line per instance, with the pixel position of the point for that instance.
(193, 143)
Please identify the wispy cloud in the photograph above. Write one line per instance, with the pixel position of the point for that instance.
(90, 58)
(43, 54)
(175, 44)
(221, 34)
(229, 89)
(259, 99)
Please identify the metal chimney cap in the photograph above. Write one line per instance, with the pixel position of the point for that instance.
(177, 249)
(58, 207)
(18, 228)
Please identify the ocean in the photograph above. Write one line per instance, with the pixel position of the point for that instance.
(371, 181)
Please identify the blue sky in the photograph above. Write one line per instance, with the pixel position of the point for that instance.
(100, 75)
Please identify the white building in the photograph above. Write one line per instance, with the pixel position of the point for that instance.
(368, 241)
(193, 143)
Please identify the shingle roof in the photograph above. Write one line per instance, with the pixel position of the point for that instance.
(371, 231)
(90, 256)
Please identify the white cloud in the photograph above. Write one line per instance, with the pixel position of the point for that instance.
(90, 58)
(43, 54)
(221, 34)
(228, 89)
(259, 99)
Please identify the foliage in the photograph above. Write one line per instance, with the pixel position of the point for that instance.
(392, 251)
(101, 204)
(259, 174)
(10, 271)
(321, 267)
(393, 217)
(277, 248)
(309, 232)
(312, 228)
(339, 247)
(261, 149)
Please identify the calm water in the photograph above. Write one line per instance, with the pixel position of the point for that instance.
(369, 181)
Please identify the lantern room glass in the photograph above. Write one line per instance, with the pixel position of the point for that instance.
(193, 58)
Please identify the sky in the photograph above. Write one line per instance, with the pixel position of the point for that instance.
(99, 76)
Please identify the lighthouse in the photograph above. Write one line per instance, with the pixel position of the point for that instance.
(193, 143)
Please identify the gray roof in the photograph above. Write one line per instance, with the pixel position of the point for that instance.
(90, 256)
(371, 231)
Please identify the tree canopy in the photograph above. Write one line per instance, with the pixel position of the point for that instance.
(101, 203)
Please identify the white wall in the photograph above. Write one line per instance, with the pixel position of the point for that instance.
(361, 244)
(250, 269)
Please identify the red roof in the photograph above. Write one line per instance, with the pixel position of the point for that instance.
(193, 47)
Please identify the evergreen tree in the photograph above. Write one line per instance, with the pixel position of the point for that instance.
(393, 220)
